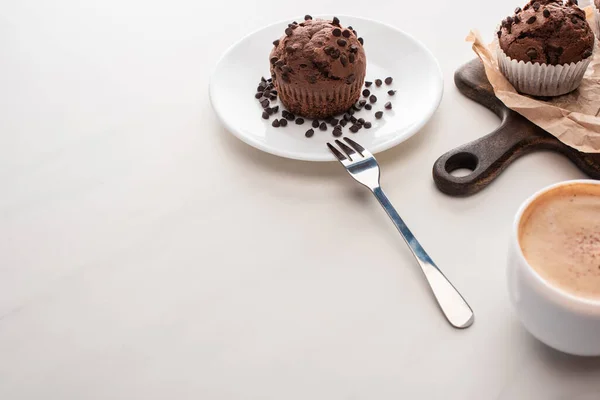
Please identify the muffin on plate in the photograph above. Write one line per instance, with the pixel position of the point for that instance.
(318, 67)
(545, 48)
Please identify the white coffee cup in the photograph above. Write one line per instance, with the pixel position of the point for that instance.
(558, 318)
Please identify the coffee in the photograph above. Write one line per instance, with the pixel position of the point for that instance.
(559, 235)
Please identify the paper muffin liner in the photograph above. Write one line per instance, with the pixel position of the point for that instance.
(318, 103)
(542, 79)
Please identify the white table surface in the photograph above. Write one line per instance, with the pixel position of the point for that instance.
(145, 253)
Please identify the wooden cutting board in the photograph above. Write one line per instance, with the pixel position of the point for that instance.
(488, 156)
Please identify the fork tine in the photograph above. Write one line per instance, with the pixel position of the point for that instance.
(363, 152)
(338, 154)
(349, 151)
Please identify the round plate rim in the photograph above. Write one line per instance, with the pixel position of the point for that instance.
(386, 145)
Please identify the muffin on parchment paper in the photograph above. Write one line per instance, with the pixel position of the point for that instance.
(318, 67)
(545, 48)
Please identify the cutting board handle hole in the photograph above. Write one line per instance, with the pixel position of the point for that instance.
(461, 164)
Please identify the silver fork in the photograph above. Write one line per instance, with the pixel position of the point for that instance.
(363, 167)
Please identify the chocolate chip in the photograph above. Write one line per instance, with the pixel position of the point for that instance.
(361, 121)
(363, 102)
(517, 19)
(355, 33)
(275, 109)
(334, 121)
(269, 110)
(388, 105)
(337, 132)
(323, 126)
(354, 128)
(350, 28)
(273, 97)
(546, 13)
(361, 41)
(353, 119)
(350, 79)
(379, 114)
(276, 124)
(344, 60)
(343, 122)
(518, 10)
(274, 60)
(315, 123)
(574, 20)
(307, 17)
(335, 54)
(264, 103)
(347, 117)
(368, 84)
(532, 19)
(289, 31)
(337, 32)
(289, 49)
(368, 107)
(532, 54)
(587, 53)
(351, 57)
(351, 112)
(279, 63)
(378, 82)
(373, 98)
(367, 125)
(312, 79)
(276, 42)
(357, 107)
(285, 77)
(294, 25)
(258, 95)
(299, 121)
(283, 122)
(346, 33)
(391, 92)
(353, 48)
(290, 116)
(328, 50)
(309, 133)
(499, 33)
(336, 21)
(265, 115)
(574, 2)
(536, 6)
(366, 92)
(303, 65)
(341, 42)
(388, 80)
(553, 54)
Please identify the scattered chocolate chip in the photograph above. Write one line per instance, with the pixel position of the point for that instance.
(353, 119)
(337, 132)
(361, 41)
(346, 33)
(536, 6)
(356, 107)
(290, 116)
(388, 105)
(283, 122)
(368, 84)
(350, 79)
(273, 97)
(276, 124)
(341, 42)
(354, 128)
(518, 10)
(366, 92)
(258, 95)
(276, 42)
(347, 117)
(309, 133)
(344, 60)
(351, 57)
(373, 98)
(362, 102)
(368, 107)
(351, 112)
(323, 126)
(389, 80)
(289, 31)
(328, 120)
(587, 53)
(361, 121)
(275, 109)
(367, 125)
(343, 122)
(379, 114)
(353, 48)
(307, 17)
(378, 82)
(269, 80)
(334, 121)
(299, 121)
(532, 19)
(336, 21)
(315, 123)
(264, 103)
(391, 92)
(265, 115)
(337, 32)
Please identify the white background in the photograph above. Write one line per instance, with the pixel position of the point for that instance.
(145, 253)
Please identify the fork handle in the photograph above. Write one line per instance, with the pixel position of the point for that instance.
(453, 305)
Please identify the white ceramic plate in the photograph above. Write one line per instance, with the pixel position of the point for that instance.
(390, 52)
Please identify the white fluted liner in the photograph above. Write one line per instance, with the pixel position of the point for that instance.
(542, 79)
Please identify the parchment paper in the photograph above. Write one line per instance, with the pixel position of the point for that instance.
(573, 118)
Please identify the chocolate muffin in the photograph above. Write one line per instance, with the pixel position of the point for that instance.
(318, 67)
(545, 48)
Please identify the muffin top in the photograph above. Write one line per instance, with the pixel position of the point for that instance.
(547, 32)
(316, 51)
